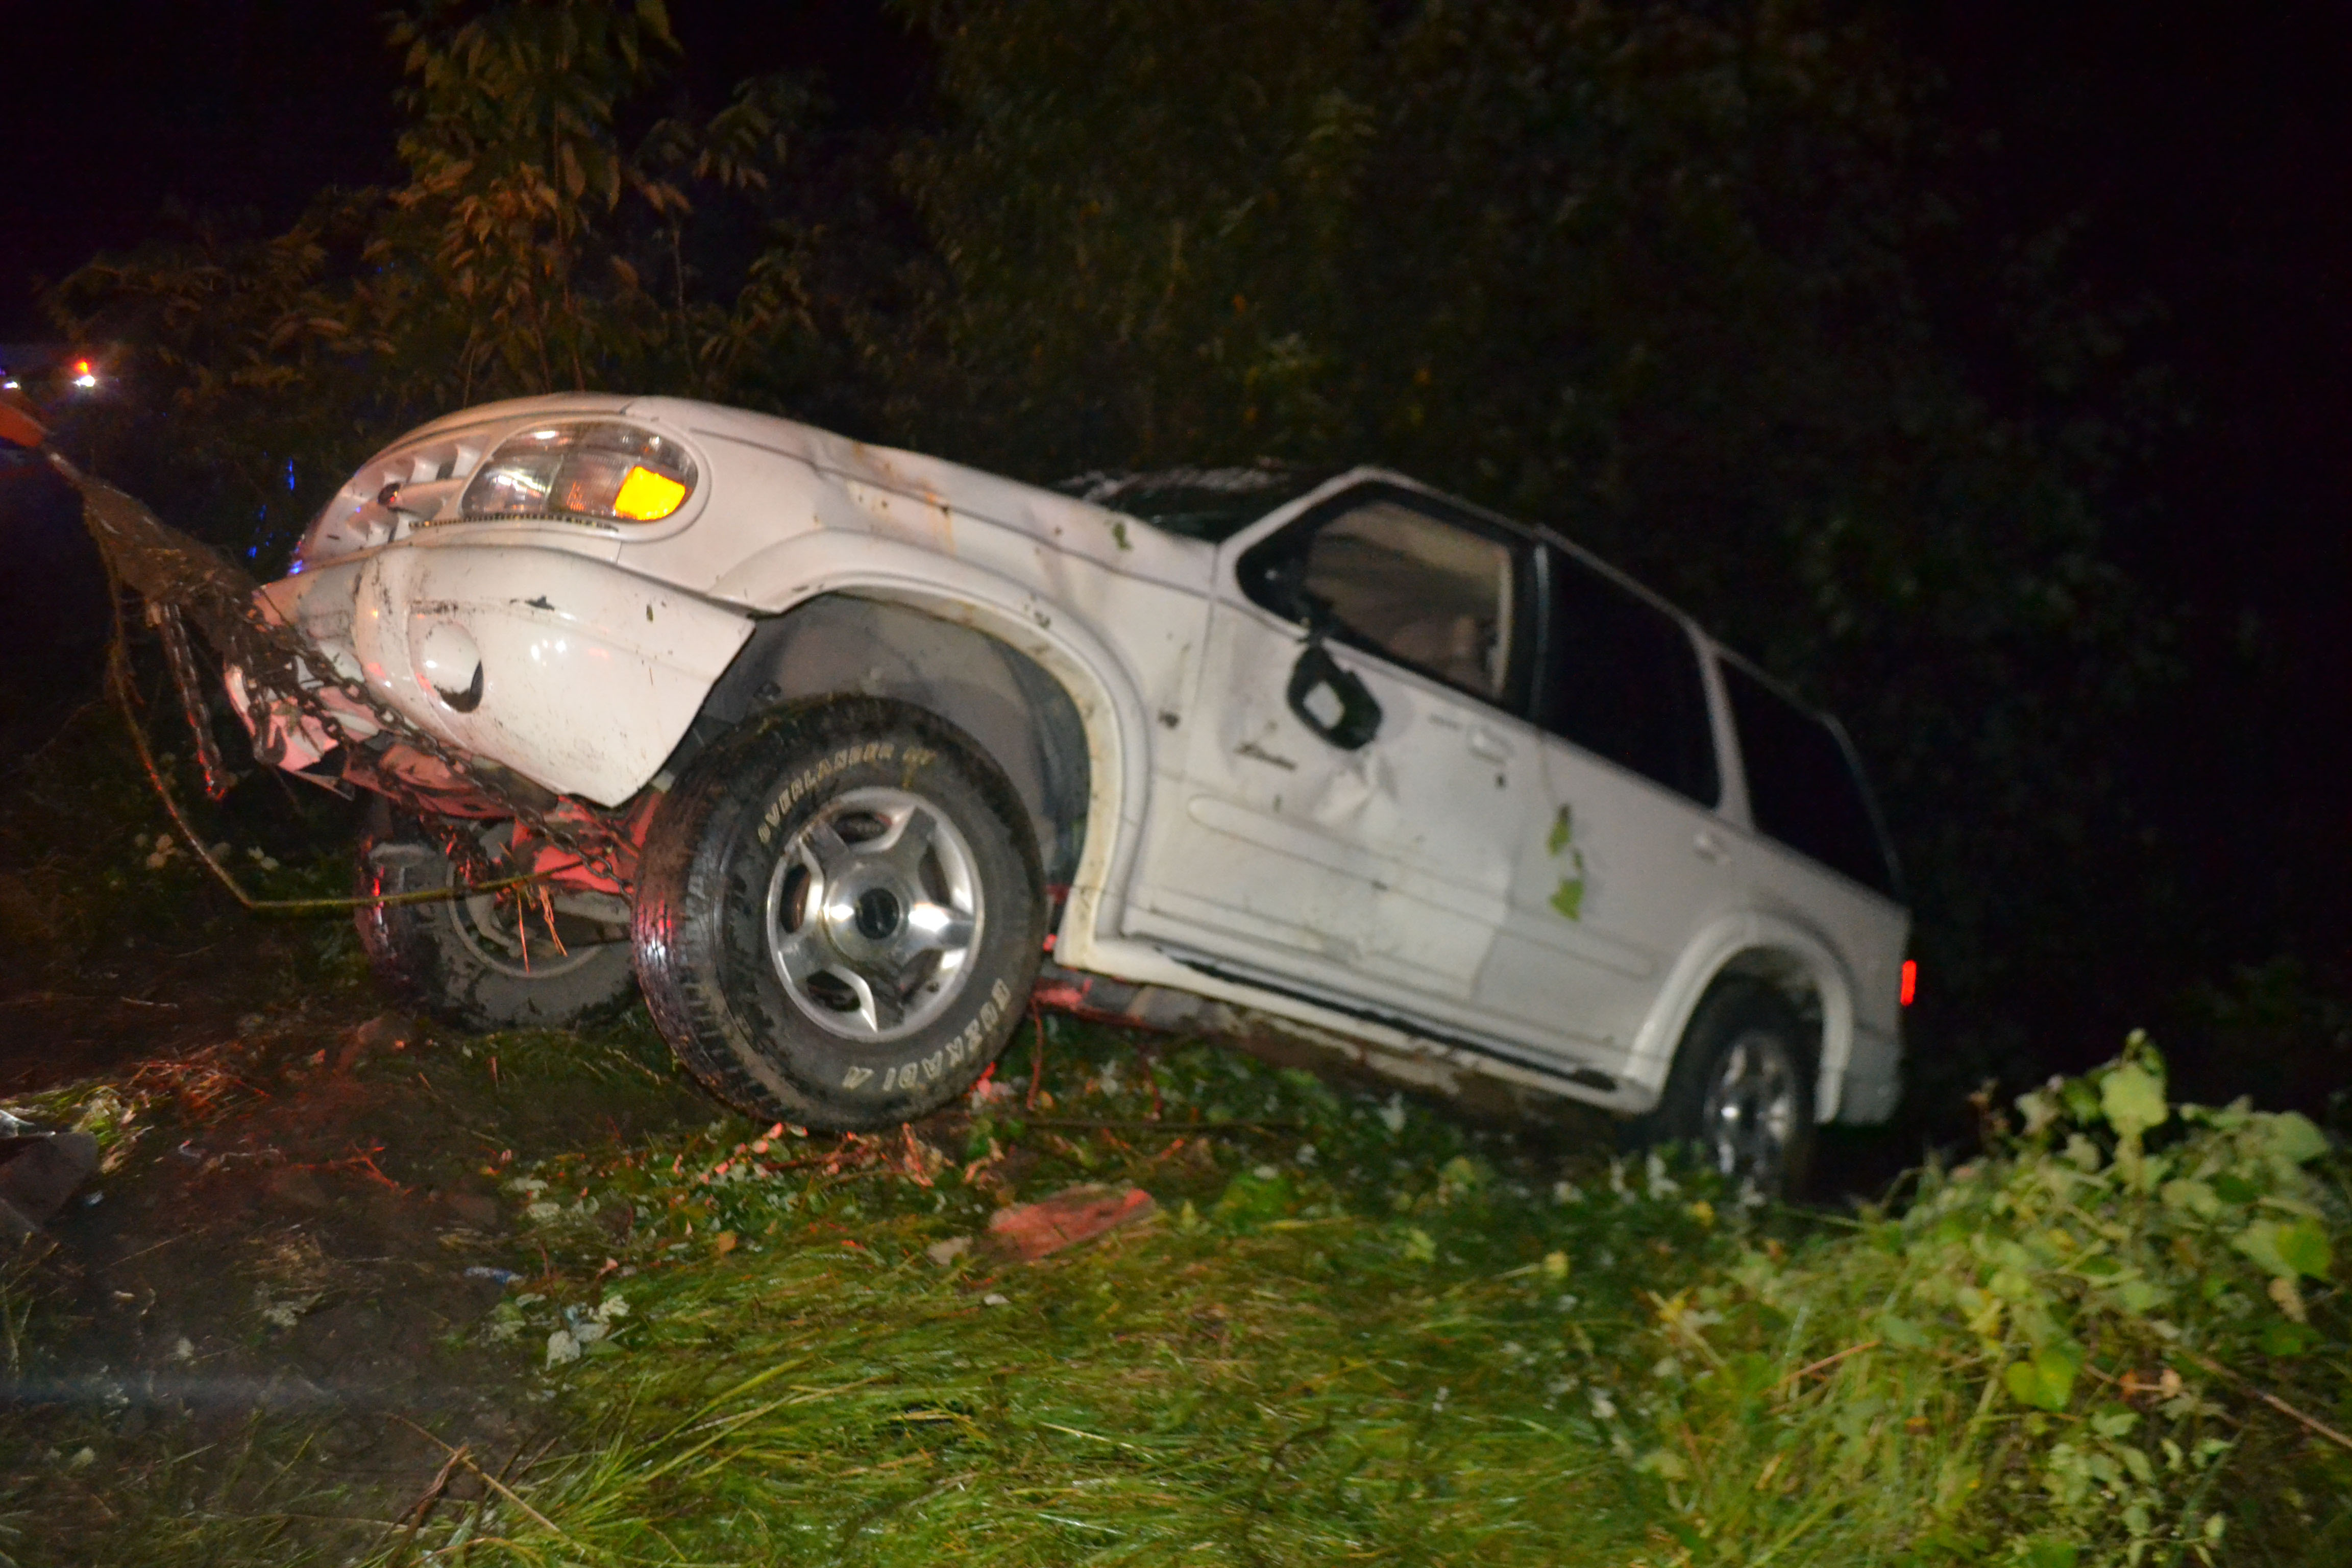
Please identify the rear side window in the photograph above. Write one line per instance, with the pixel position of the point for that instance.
(1803, 788)
(1621, 680)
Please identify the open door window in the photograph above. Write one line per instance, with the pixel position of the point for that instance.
(1381, 569)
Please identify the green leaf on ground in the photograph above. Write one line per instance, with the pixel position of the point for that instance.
(2046, 1379)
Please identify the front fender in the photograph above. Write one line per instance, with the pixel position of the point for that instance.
(1100, 682)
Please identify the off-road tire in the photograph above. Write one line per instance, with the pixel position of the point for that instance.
(1736, 1015)
(718, 851)
(435, 957)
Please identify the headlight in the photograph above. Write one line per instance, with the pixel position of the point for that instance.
(598, 472)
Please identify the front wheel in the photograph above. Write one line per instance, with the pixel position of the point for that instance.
(1741, 1091)
(490, 961)
(840, 914)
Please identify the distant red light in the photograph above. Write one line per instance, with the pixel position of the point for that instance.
(1910, 980)
(81, 367)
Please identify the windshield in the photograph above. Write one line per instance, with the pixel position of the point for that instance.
(1211, 504)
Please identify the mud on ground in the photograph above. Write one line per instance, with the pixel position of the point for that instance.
(291, 1249)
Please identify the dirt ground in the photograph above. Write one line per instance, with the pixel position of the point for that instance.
(297, 1232)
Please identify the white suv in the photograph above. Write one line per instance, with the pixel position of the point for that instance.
(869, 740)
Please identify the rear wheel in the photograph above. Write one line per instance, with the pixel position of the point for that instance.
(490, 961)
(840, 914)
(1741, 1091)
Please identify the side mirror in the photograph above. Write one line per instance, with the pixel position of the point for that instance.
(1333, 702)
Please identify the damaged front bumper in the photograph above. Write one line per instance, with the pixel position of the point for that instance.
(559, 668)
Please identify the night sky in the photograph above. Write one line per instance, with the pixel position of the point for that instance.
(2202, 146)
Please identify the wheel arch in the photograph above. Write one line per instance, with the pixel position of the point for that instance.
(1755, 949)
(1036, 698)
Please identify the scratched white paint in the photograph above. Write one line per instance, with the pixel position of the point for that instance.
(1411, 880)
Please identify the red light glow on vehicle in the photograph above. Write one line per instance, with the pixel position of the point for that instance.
(1910, 980)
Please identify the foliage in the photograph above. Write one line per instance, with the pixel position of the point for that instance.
(531, 249)
(2045, 1359)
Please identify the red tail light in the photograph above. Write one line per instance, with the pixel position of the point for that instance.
(1910, 980)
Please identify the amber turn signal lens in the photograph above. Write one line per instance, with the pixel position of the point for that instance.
(648, 497)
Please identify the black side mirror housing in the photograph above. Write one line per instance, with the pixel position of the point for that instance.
(1332, 701)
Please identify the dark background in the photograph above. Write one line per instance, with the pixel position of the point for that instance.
(2205, 151)
(2196, 150)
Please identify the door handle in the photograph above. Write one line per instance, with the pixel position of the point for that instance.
(1710, 848)
(1484, 743)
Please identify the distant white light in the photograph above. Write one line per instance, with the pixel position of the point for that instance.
(9, 384)
(84, 381)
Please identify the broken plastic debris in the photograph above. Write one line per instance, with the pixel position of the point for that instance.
(946, 1252)
(1031, 1231)
(561, 1348)
(484, 1271)
(39, 1172)
(994, 1300)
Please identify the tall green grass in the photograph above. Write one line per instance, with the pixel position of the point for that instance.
(1364, 1332)
(1342, 1340)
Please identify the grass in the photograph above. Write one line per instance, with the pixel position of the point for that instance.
(1362, 1328)
(1355, 1334)
(1364, 1331)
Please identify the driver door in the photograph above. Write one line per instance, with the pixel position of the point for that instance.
(1353, 785)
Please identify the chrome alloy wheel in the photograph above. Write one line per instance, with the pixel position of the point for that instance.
(874, 913)
(1749, 1119)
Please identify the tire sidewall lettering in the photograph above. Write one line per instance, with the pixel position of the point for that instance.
(810, 778)
(967, 1045)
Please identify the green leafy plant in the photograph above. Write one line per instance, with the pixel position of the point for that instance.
(2069, 1351)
